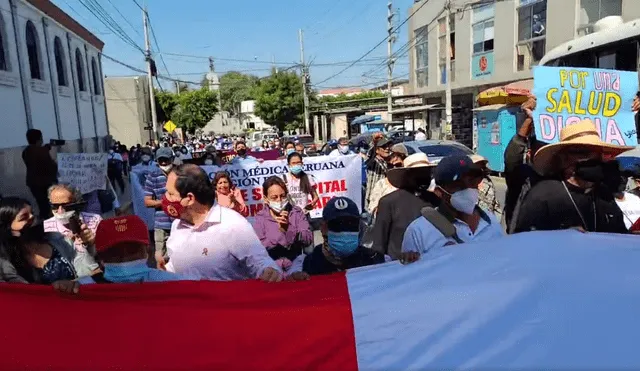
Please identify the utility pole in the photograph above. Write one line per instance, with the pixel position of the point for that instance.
(177, 87)
(305, 77)
(273, 63)
(391, 38)
(448, 113)
(147, 52)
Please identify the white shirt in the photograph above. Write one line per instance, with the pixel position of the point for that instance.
(336, 152)
(423, 237)
(630, 207)
(223, 248)
(299, 198)
(420, 136)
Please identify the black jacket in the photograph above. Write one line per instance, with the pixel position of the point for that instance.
(396, 211)
(317, 263)
(548, 207)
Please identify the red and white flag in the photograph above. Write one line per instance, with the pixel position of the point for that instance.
(544, 300)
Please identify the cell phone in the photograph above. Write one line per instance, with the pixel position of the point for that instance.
(75, 223)
(57, 142)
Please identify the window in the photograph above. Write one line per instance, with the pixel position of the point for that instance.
(592, 11)
(80, 71)
(422, 57)
(483, 28)
(33, 51)
(532, 27)
(95, 73)
(4, 55)
(443, 49)
(58, 52)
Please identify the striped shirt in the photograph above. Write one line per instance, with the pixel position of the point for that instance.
(155, 185)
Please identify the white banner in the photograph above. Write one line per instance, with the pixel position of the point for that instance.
(84, 171)
(334, 176)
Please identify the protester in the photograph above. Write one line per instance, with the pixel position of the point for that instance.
(242, 156)
(581, 199)
(212, 241)
(457, 219)
(518, 164)
(420, 134)
(42, 170)
(125, 159)
(301, 186)
(377, 166)
(264, 146)
(289, 148)
(634, 175)
(397, 210)
(36, 256)
(114, 168)
(301, 150)
(341, 249)
(77, 227)
(282, 227)
(343, 148)
(628, 202)
(227, 194)
(488, 200)
(383, 187)
(122, 245)
(154, 189)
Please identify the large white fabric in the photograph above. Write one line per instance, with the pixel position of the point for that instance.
(538, 300)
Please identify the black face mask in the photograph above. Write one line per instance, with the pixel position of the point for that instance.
(242, 151)
(590, 171)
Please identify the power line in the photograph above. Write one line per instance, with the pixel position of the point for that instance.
(125, 19)
(377, 45)
(138, 4)
(155, 40)
(103, 16)
(230, 59)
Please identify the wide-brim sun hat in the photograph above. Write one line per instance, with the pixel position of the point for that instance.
(416, 171)
(583, 134)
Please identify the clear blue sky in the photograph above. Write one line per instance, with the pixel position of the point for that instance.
(254, 30)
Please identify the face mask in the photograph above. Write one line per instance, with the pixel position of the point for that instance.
(63, 217)
(277, 143)
(208, 162)
(590, 171)
(295, 169)
(110, 151)
(172, 208)
(166, 168)
(343, 244)
(146, 158)
(465, 201)
(290, 151)
(277, 207)
(343, 149)
(242, 152)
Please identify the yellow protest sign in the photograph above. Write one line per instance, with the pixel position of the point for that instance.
(170, 126)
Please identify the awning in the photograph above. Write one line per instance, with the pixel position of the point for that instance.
(491, 107)
(362, 119)
(516, 93)
(413, 109)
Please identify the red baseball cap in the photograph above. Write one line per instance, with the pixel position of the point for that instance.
(112, 231)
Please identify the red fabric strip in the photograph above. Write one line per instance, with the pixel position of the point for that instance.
(246, 325)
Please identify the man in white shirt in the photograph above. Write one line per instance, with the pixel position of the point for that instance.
(343, 148)
(420, 134)
(628, 203)
(457, 180)
(213, 242)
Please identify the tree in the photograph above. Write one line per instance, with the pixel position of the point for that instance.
(165, 104)
(195, 109)
(279, 99)
(344, 97)
(236, 87)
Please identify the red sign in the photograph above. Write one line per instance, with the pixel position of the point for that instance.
(483, 63)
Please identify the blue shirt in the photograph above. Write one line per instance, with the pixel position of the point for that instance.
(155, 185)
(136, 271)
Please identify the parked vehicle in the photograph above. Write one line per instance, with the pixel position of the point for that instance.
(436, 150)
(258, 136)
(400, 136)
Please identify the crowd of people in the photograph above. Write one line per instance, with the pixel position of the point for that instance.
(414, 209)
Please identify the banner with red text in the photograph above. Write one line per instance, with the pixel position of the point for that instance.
(334, 176)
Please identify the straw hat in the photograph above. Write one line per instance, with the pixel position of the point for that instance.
(416, 171)
(582, 134)
(477, 159)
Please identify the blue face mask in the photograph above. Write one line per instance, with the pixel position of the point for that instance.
(290, 151)
(343, 244)
(295, 169)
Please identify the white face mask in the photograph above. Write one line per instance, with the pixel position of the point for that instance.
(166, 168)
(278, 206)
(146, 158)
(63, 217)
(465, 201)
(208, 162)
(343, 149)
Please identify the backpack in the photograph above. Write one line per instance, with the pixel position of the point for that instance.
(443, 221)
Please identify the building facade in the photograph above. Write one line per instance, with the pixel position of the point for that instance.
(249, 118)
(51, 80)
(128, 107)
(492, 43)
